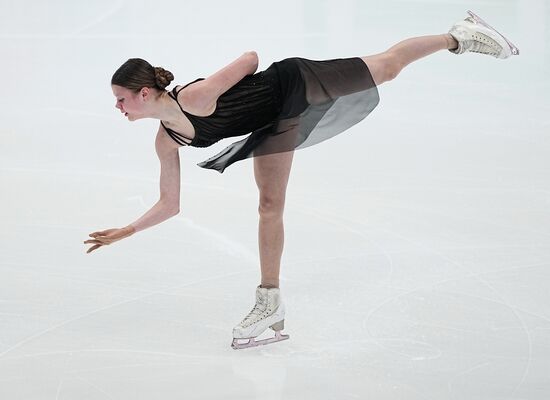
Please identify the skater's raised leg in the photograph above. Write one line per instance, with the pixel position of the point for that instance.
(387, 65)
(470, 35)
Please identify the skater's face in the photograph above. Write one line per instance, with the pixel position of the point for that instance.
(130, 103)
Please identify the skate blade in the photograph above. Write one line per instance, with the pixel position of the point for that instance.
(513, 49)
(252, 342)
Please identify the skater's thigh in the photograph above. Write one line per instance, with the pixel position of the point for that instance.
(272, 164)
(271, 172)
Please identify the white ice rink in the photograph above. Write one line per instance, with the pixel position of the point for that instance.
(417, 244)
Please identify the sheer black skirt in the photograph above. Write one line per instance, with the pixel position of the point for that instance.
(316, 100)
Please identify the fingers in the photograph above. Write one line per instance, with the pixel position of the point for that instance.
(106, 232)
(96, 234)
(111, 235)
(103, 233)
(106, 237)
(97, 246)
(97, 241)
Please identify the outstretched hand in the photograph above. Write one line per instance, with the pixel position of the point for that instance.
(104, 238)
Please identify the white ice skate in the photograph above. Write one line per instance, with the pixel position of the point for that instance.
(475, 35)
(269, 312)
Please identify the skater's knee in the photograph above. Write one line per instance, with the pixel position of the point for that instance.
(384, 67)
(271, 206)
(393, 64)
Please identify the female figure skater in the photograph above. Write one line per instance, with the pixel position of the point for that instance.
(293, 104)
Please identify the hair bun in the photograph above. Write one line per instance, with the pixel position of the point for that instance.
(163, 77)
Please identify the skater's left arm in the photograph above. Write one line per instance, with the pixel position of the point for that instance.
(203, 95)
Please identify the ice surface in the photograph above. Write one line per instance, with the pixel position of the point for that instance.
(420, 271)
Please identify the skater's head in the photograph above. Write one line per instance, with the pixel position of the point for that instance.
(135, 82)
(137, 73)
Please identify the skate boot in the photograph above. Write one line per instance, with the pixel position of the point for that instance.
(475, 35)
(269, 312)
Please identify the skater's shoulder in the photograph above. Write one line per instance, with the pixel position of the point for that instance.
(190, 97)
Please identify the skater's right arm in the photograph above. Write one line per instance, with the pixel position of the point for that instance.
(166, 207)
(168, 204)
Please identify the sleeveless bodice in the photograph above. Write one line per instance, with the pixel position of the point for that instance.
(252, 103)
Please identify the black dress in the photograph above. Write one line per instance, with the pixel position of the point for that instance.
(294, 103)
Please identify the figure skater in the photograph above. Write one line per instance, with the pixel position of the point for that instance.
(293, 104)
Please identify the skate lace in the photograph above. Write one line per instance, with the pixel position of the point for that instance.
(481, 43)
(485, 47)
(256, 311)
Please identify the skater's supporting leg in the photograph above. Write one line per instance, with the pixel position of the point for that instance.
(271, 173)
(387, 65)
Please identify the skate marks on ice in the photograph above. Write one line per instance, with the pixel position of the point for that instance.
(417, 350)
(108, 307)
(112, 9)
(224, 243)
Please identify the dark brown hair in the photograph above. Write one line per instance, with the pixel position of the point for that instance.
(137, 73)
